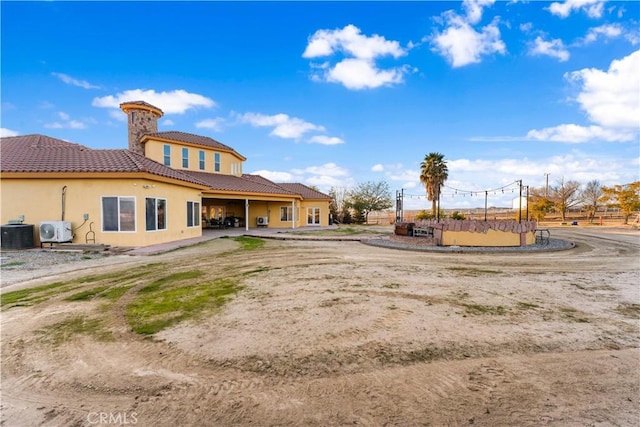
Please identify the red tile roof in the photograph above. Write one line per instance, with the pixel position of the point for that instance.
(303, 190)
(190, 138)
(39, 153)
(241, 184)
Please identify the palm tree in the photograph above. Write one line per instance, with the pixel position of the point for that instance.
(433, 174)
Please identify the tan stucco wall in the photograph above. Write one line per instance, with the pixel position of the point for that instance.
(41, 200)
(490, 238)
(270, 209)
(155, 151)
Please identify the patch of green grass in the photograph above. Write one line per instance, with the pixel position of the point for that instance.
(154, 311)
(469, 271)
(629, 310)
(485, 309)
(86, 295)
(77, 325)
(12, 264)
(115, 293)
(172, 278)
(23, 295)
(527, 305)
(255, 270)
(391, 285)
(118, 277)
(249, 243)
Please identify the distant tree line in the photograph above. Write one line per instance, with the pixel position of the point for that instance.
(592, 198)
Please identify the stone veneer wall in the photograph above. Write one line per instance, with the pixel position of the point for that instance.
(450, 232)
(141, 121)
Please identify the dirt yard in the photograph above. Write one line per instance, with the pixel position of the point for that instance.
(322, 333)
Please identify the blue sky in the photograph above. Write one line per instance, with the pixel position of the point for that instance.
(337, 93)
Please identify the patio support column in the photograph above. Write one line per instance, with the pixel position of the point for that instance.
(293, 214)
(246, 214)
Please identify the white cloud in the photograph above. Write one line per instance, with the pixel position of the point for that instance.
(325, 140)
(349, 40)
(173, 102)
(474, 9)
(359, 74)
(283, 125)
(462, 45)
(577, 134)
(118, 115)
(526, 27)
(71, 124)
(63, 115)
(75, 82)
(328, 169)
(554, 48)
(358, 70)
(593, 8)
(168, 122)
(610, 98)
(377, 168)
(608, 31)
(214, 124)
(4, 132)
(275, 176)
(323, 176)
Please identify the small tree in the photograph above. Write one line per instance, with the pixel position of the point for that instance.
(591, 197)
(539, 204)
(369, 197)
(565, 195)
(625, 197)
(458, 215)
(338, 207)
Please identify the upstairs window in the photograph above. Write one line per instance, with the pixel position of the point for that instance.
(167, 155)
(201, 159)
(216, 162)
(185, 158)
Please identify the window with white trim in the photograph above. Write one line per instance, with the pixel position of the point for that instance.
(193, 214)
(201, 159)
(155, 214)
(286, 213)
(167, 154)
(216, 162)
(185, 157)
(118, 213)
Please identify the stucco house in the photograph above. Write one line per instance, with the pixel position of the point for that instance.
(166, 186)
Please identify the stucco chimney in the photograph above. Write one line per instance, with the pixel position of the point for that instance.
(142, 118)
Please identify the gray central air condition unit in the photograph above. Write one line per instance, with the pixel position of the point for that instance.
(263, 220)
(55, 231)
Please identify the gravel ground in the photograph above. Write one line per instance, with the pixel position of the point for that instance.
(552, 245)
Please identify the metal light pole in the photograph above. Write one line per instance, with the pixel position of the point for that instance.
(546, 193)
(485, 204)
(520, 203)
(527, 203)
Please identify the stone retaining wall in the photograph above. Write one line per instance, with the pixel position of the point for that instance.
(493, 233)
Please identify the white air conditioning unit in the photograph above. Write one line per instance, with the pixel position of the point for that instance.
(263, 220)
(56, 231)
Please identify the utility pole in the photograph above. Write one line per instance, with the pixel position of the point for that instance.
(546, 193)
